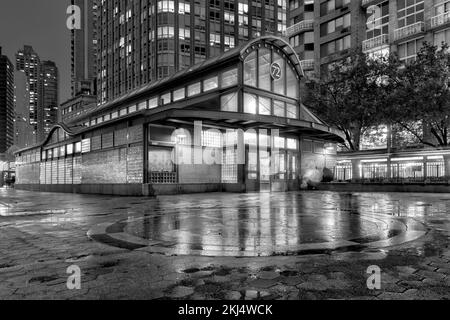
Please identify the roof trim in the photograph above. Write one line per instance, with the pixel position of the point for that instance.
(61, 125)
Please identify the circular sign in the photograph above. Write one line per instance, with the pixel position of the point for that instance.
(275, 71)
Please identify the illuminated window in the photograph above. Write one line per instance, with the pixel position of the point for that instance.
(229, 78)
(210, 84)
(265, 106)
(250, 70)
(229, 102)
(179, 94)
(194, 89)
(250, 103)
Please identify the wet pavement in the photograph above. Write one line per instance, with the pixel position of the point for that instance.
(298, 245)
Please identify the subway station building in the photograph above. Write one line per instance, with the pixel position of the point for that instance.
(233, 123)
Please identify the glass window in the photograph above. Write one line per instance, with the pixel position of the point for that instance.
(142, 105)
(250, 70)
(229, 78)
(264, 69)
(114, 115)
(265, 106)
(62, 151)
(194, 89)
(107, 117)
(179, 94)
(278, 82)
(153, 103)
(292, 144)
(249, 103)
(55, 152)
(165, 98)
(70, 149)
(210, 84)
(78, 147)
(292, 83)
(279, 109)
(132, 109)
(279, 142)
(50, 154)
(291, 111)
(229, 102)
(99, 120)
(123, 112)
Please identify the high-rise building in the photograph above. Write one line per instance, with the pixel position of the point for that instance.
(376, 26)
(23, 130)
(29, 62)
(48, 113)
(143, 41)
(84, 49)
(6, 103)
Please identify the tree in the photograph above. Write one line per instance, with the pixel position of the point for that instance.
(418, 96)
(348, 96)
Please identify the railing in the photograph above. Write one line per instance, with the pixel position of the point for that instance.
(299, 27)
(307, 64)
(397, 180)
(375, 42)
(410, 30)
(440, 20)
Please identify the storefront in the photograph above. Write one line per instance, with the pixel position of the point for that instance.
(232, 123)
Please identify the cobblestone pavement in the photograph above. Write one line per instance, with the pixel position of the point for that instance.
(42, 234)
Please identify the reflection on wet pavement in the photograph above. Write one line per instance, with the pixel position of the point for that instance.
(262, 225)
(174, 247)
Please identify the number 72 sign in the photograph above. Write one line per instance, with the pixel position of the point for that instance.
(275, 71)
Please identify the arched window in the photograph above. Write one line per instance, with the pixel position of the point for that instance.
(267, 69)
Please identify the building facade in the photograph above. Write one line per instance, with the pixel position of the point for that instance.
(28, 62)
(144, 41)
(49, 95)
(77, 106)
(6, 103)
(23, 130)
(232, 123)
(378, 27)
(84, 49)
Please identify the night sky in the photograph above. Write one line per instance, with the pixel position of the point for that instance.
(41, 24)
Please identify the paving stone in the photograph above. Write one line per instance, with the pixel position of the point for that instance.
(291, 281)
(181, 292)
(406, 269)
(268, 275)
(233, 295)
(262, 283)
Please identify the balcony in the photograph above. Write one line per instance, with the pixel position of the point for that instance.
(300, 27)
(410, 30)
(375, 42)
(440, 20)
(307, 64)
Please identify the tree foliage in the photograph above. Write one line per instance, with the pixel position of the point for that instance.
(348, 96)
(364, 92)
(418, 96)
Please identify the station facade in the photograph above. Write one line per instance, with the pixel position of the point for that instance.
(232, 123)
